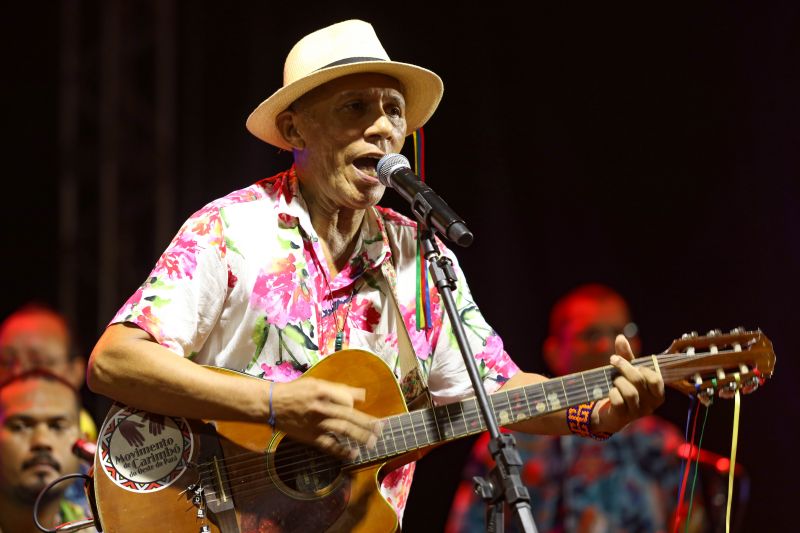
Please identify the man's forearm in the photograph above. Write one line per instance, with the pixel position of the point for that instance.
(127, 366)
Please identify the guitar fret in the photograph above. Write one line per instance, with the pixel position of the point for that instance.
(527, 403)
(518, 410)
(436, 424)
(479, 424)
(608, 383)
(389, 430)
(544, 395)
(553, 388)
(413, 430)
(585, 388)
(566, 397)
(367, 452)
(403, 434)
(380, 445)
(421, 415)
(452, 431)
(454, 418)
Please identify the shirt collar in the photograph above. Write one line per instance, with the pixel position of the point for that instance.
(372, 247)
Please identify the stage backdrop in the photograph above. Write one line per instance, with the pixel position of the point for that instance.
(652, 148)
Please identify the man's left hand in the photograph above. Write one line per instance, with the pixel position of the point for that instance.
(637, 392)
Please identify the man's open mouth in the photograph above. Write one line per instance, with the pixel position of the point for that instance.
(367, 164)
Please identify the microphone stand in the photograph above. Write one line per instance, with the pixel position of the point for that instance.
(504, 484)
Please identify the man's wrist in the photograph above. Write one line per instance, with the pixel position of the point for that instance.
(584, 420)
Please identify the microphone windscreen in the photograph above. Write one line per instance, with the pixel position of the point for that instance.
(388, 164)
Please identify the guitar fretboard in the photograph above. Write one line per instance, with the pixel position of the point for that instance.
(422, 428)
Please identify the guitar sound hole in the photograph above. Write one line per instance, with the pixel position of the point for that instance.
(305, 469)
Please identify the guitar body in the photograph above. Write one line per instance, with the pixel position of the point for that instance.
(254, 495)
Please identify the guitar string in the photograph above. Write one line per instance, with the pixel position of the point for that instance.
(401, 431)
(467, 416)
(245, 488)
(285, 466)
(337, 465)
(592, 381)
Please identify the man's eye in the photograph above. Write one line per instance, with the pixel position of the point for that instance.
(16, 426)
(355, 105)
(396, 111)
(59, 425)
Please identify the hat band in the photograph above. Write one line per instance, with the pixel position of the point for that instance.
(348, 60)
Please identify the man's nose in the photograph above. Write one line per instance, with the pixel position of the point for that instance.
(42, 437)
(381, 127)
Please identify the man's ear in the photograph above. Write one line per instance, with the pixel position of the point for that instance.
(288, 128)
(551, 356)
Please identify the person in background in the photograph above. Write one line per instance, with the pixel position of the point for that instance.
(35, 336)
(628, 483)
(39, 414)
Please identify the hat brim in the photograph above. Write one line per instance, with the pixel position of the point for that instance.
(423, 90)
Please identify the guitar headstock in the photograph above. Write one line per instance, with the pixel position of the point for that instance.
(707, 365)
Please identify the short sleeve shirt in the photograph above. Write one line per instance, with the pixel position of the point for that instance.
(626, 484)
(245, 285)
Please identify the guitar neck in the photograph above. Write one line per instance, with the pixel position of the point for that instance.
(425, 428)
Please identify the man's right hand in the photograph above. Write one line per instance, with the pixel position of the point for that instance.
(322, 413)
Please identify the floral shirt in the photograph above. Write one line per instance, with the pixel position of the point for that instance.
(628, 483)
(245, 285)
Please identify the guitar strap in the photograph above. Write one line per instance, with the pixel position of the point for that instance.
(413, 382)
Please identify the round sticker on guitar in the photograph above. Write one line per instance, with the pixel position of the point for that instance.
(144, 452)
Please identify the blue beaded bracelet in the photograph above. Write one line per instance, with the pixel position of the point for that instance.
(271, 419)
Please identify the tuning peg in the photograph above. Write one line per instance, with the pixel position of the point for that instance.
(736, 331)
(728, 391)
(706, 396)
(750, 385)
(714, 332)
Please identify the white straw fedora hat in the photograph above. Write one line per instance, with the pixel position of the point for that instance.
(344, 48)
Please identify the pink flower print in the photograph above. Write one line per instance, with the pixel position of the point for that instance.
(391, 340)
(495, 356)
(363, 315)
(280, 296)
(180, 259)
(280, 373)
(393, 478)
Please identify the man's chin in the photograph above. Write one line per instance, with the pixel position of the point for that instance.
(29, 490)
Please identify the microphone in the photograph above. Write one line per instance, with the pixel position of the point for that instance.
(394, 171)
(85, 450)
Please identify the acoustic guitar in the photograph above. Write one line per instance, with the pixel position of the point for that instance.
(169, 474)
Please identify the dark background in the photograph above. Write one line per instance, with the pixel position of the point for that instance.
(649, 147)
